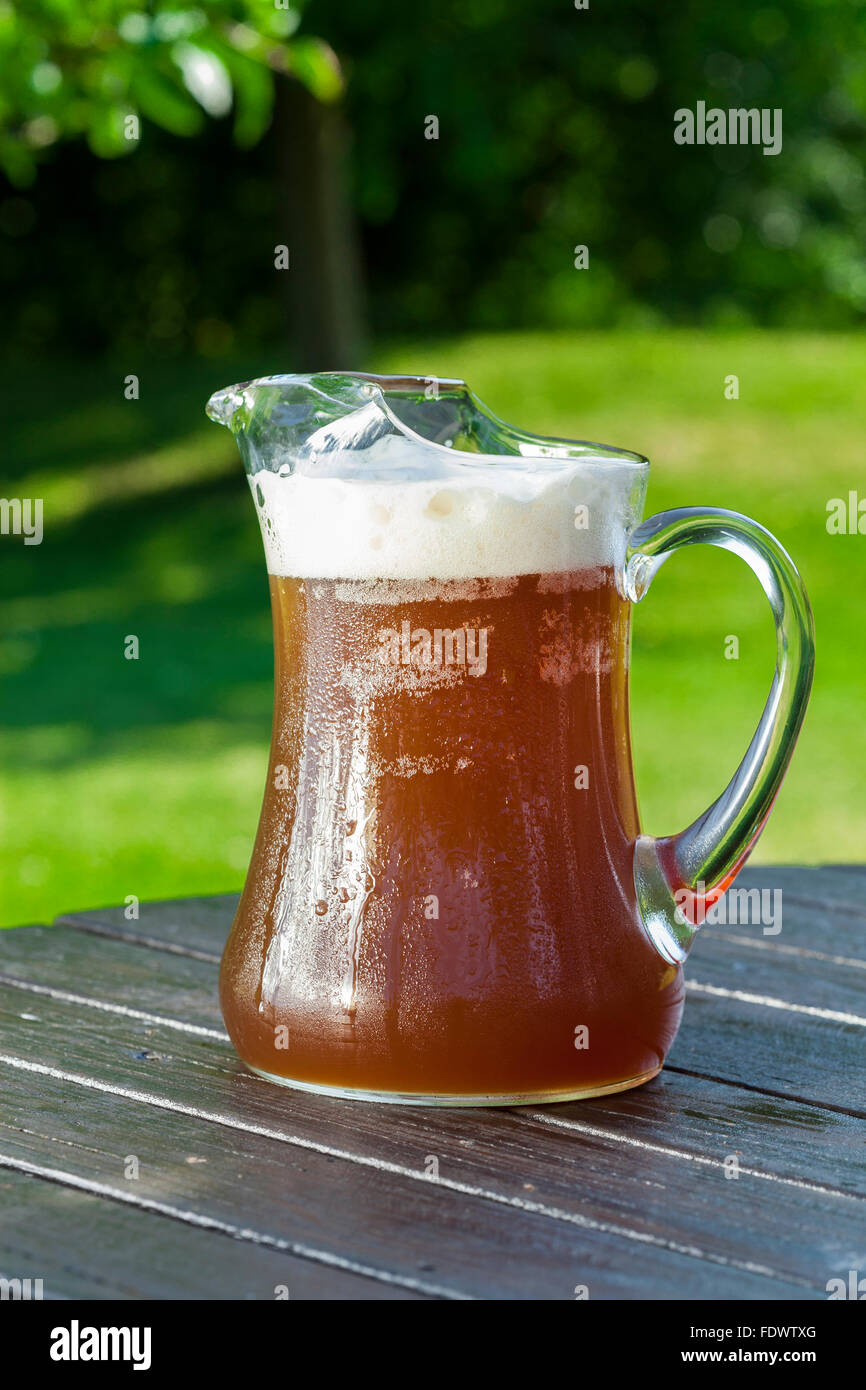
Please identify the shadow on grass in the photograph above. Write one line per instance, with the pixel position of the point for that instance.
(181, 569)
(68, 415)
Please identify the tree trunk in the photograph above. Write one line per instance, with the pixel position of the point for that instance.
(322, 287)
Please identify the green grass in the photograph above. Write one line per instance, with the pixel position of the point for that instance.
(143, 777)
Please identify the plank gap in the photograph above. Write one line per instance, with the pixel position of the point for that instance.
(212, 1223)
(473, 1190)
(767, 1091)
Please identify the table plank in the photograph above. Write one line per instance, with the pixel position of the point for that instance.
(689, 1111)
(579, 1174)
(421, 1234)
(823, 911)
(190, 926)
(822, 908)
(829, 987)
(627, 1193)
(44, 963)
(83, 1246)
(782, 1050)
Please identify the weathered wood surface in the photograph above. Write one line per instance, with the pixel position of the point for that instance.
(83, 1246)
(112, 1049)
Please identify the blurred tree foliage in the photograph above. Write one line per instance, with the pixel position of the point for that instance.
(98, 68)
(101, 256)
(555, 130)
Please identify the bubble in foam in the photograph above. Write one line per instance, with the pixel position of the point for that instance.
(440, 504)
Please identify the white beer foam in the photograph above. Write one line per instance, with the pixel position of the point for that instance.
(418, 512)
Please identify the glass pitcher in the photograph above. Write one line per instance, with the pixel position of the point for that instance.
(450, 901)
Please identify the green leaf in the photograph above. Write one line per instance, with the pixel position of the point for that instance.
(168, 105)
(315, 64)
(254, 97)
(205, 76)
(106, 132)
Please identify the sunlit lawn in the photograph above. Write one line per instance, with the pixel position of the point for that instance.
(143, 777)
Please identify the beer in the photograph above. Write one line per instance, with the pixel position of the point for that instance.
(440, 900)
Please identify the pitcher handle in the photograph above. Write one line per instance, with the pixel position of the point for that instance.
(678, 877)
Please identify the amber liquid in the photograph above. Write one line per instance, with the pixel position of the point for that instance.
(440, 898)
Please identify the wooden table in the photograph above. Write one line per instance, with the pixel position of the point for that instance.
(139, 1160)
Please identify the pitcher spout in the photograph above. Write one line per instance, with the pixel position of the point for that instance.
(224, 405)
(317, 423)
